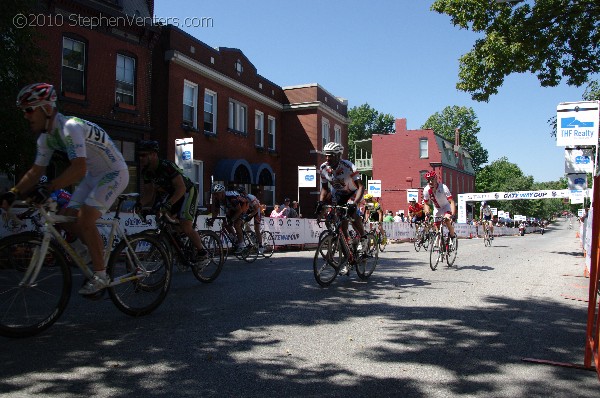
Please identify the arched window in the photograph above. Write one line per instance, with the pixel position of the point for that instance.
(242, 175)
(265, 178)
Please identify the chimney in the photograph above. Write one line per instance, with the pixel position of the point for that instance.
(400, 125)
(457, 137)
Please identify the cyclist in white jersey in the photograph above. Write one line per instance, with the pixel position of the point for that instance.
(346, 188)
(441, 198)
(485, 214)
(95, 163)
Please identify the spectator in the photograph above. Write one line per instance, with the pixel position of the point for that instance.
(296, 208)
(388, 217)
(292, 211)
(401, 215)
(276, 213)
(398, 218)
(285, 207)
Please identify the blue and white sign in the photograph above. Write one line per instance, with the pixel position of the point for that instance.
(577, 123)
(307, 176)
(578, 161)
(374, 188)
(577, 182)
(412, 194)
(184, 155)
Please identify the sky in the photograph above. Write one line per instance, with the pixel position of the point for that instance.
(396, 55)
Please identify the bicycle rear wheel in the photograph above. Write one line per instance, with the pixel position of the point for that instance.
(382, 240)
(268, 242)
(30, 308)
(250, 253)
(452, 250)
(208, 266)
(328, 259)
(435, 251)
(147, 280)
(367, 259)
(418, 241)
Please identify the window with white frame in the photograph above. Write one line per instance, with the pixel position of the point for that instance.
(73, 66)
(271, 133)
(237, 116)
(259, 129)
(190, 101)
(337, 133)
(423, 148)
(324, 132)
(210, 112)
(125, 80)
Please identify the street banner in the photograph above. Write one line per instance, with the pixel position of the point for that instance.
(577, 196)
(577, 181)
(579, 161)
(307, 176)
(374, 188)
(184, 155)
(412, 194)
(577, 123)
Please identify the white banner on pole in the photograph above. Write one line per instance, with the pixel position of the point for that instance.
(577, 123)
(184, 155)
(577, 181)
(374, 188)
(307, 176)
(579, 161)
(412, 194)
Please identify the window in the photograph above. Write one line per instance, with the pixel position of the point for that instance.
(271, 133)
(338, 134)
(73, 66)
(190, 98)
(237, 116)
(210, 112)
(324, 132)
(423, 180)
(125, 80)
(423, 148)
(259, 127)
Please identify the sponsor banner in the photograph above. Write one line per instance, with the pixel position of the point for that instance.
(577, 181)
(307, 176)
(374, 188)
(579, 161)
(184, 155)
(577, 123)
(412, 194)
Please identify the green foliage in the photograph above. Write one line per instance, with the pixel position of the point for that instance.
(449, 119)
(364, 122)
(20, 65)
(554, 39)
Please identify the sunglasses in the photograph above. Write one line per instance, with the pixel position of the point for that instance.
(29, 110)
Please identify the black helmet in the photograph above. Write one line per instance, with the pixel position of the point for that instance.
(148, 146)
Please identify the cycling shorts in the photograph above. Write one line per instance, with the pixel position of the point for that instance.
(185, 207)
(100, 191)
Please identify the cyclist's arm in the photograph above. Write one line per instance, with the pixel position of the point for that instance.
(30, 179)
(72, 174)
(452, 206)
(179, 191)
(324, 192)
(359, 191)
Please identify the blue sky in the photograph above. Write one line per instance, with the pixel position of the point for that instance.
(397, 56)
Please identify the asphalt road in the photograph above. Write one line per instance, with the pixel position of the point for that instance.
(268, 330)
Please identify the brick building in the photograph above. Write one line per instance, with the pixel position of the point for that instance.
(401, 160)
(245, 129)
(101, 65)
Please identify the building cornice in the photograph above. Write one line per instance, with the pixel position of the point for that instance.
(187, 62)
(315, 105)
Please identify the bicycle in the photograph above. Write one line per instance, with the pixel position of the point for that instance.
(206, 266)
(229, 240)
(443, 248)
(335, 249)
(487, 236)
(380, 237)
(36, 281)
(422, 236)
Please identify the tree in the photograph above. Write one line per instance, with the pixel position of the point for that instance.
(449, 119)
(20, 65)
(504, 176)
(364, 122)
(554, 39)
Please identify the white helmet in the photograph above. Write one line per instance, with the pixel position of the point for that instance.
(218, 188)
(332, 148)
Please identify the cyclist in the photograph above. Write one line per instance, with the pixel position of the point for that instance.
(485, 214)
(416, 214)
(441, 198)
(167, 188)
(95, 163)
(234, 206)
(254, 212)
(346, 188)
(373, 211)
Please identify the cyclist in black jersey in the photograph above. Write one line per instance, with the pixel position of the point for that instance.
(166, 187)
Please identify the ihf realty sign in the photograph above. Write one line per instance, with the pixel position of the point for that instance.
(577, 123)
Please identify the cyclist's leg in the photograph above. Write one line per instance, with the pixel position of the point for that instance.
(185, 209)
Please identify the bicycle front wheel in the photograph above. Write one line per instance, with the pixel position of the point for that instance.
(268, 242)
(418, 241)
(29, 307)
(368, 257)
(435, 251)
(250, 253)
(209, 265)
(327, 260)
(144, 272)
